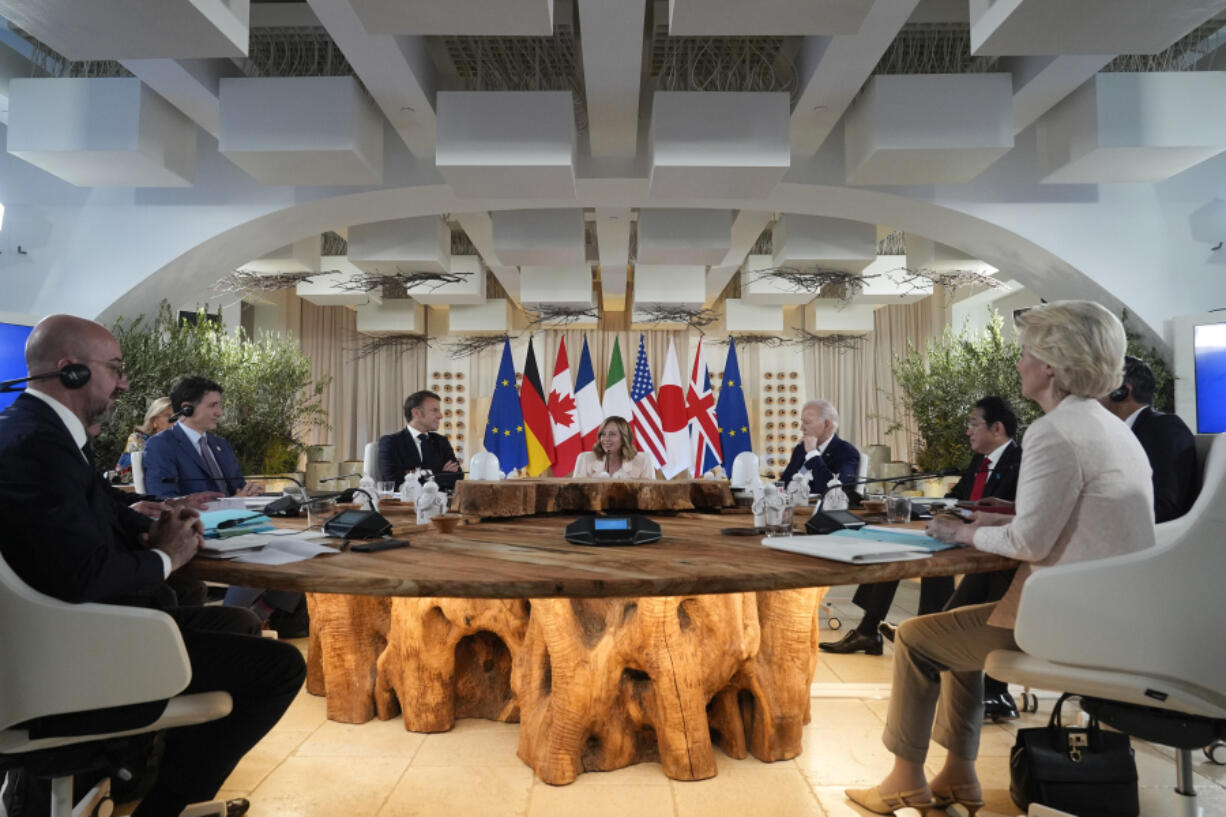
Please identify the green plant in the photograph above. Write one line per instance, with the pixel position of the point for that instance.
(269, 397)
(1164, 390)
(940, 388)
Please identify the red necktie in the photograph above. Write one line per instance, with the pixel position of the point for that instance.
(981, 480)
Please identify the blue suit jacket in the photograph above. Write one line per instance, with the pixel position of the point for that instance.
(840, 459)
(174, 467)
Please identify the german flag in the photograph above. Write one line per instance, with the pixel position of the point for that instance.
(539, 431)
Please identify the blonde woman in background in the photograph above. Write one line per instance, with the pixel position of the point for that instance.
(157, 418)
(1083, 492)
(614, 455)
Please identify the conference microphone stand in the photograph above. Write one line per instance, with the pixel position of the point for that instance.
(823, 521)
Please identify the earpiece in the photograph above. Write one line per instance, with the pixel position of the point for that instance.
(187, 410)
(1119, 395)
(74, 375)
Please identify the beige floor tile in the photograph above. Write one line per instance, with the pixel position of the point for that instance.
(372, 739)
(307, 712)
(740, 789)
(880, 708)
(471, 743)
(327, 787)
(640, 774)
(844, 757)
(263, 758)
(824, 674)
(859, 668)
(456, 791)
(608, 801)
(841, 713)
(835, 803)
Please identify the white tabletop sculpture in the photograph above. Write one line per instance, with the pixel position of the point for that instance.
(431, 502)
(798, 490)
(835, 499)
(411, 487)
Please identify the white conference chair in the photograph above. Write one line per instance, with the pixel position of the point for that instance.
(58, 658)
(484, 465)
(138, 471)
(370, 462)
(744, 469)
(1137, 636)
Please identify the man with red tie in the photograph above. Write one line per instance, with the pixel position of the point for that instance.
(990, 427)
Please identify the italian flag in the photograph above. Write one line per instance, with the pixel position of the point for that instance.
(616, 390)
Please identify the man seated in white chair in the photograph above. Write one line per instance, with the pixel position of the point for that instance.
(68, 536)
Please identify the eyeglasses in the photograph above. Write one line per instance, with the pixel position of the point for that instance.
(116, 368)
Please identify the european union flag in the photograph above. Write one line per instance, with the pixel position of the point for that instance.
(730, 412)
(504, 431)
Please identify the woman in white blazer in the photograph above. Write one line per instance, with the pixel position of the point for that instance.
(614, 455)
(1084, 492)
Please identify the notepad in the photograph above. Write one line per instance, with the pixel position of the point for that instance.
(852, 550)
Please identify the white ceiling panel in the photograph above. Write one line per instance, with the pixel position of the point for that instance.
(469, 290)
(736, 18)
(493, 18)
(831, 243)
(395, 316)
(401, 245)
(684, 236)
(544, 238)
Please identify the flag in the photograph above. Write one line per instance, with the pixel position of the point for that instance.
(673, 419)
(590, 414)
(616, 397)
(563, 416)
(537, 431)
(504, 430)
(731, 413)
(700, 408)
(645, 423)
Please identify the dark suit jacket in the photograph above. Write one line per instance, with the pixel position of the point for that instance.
(1002, 481)
(174, 467)
(840, 458)
(1171, 449)
(65, 533)
(398, 454)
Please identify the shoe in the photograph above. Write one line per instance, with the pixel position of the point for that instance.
(999, 708)
(855, 641)
(237, 807)
(878, 803)
(887, 631)
(970, 796)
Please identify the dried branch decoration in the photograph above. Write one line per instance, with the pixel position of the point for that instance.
(769, 341)
(818, 281)
(241, 281)
(466, 346)
(842, 343)
(406, 281)
(953, 279)
(696, 318)
(371, 345)
(559, 314)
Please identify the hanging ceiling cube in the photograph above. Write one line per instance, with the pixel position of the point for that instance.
(681, 236)
(1017, 27)
(928, 128)
(492, 317)
(134, 29)
(1142, 127)
(682, 285)
(401, 245)
(719, 144)
(112, 132)
(506, 144)
(542, 238)
(335, 285)
(302, 130)
(889, 281)
(471, 18)
(830, 317)
(395, 316)
(784, 18)
(760, 287)
(742, 316)
(562, 286)
(301, 256)
(807, 242)
(469, 290)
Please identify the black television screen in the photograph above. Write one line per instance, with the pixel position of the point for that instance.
(1209, 349)
(12, 356)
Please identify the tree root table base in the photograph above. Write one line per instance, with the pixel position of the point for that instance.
(597, 684)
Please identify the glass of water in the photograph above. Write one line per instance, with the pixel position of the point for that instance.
(897, 509)
(386, 488)
(779, 521)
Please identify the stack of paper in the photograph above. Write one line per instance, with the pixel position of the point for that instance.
(851, 549)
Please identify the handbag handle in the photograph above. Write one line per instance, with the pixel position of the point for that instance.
(1064, 741)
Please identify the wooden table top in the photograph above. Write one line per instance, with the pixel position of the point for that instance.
(530, 558)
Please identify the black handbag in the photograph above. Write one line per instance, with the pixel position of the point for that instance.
(1088, 772)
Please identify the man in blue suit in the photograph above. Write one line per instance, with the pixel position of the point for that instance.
(186, 457)
(821, 453)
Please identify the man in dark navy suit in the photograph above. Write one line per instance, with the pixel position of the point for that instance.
(821, 453)
(419, 445)
(69, 536)
(187, 457)
(1167, 440)
(993, 472)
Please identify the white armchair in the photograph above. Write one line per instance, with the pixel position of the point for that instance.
(370, 462)
(1135, 635)
(58, 658)
(484, 465)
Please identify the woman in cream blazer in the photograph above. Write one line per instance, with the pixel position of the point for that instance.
(614, 455)
(1084, 492)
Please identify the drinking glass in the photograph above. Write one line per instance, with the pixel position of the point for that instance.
(320, 511)
(386, 488)
(897, 508)
(779, 522)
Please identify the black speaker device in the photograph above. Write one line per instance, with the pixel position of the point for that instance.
(824, 522)
(355, 524)
(612, 531)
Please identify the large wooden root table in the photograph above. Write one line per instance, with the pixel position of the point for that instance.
(606, 656)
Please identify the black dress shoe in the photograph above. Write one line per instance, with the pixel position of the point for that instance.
(887, 631)
(855, 641)
(237, 807)
(999, 708)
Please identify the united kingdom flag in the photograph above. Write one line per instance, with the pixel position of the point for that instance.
(700, 407)
(648, 431)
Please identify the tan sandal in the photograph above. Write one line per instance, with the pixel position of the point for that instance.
(968, 795)
(878, 803)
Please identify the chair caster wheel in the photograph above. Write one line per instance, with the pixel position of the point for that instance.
(1216, 752)
(834, 623)
(1030, 702)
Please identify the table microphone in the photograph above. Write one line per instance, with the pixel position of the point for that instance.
(823, 522)
(346, 495)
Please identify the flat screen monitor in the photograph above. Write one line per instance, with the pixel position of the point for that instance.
(13, 334)
(1200, 371)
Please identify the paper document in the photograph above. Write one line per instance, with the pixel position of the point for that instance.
(282, 551)
(849, 549)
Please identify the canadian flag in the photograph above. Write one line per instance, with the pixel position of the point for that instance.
(563, 416)
(674, 420)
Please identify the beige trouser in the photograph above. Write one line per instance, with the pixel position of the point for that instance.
(938, 668)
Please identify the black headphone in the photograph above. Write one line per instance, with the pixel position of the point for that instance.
(187, 410)
(72, 376)
(1119, 395)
